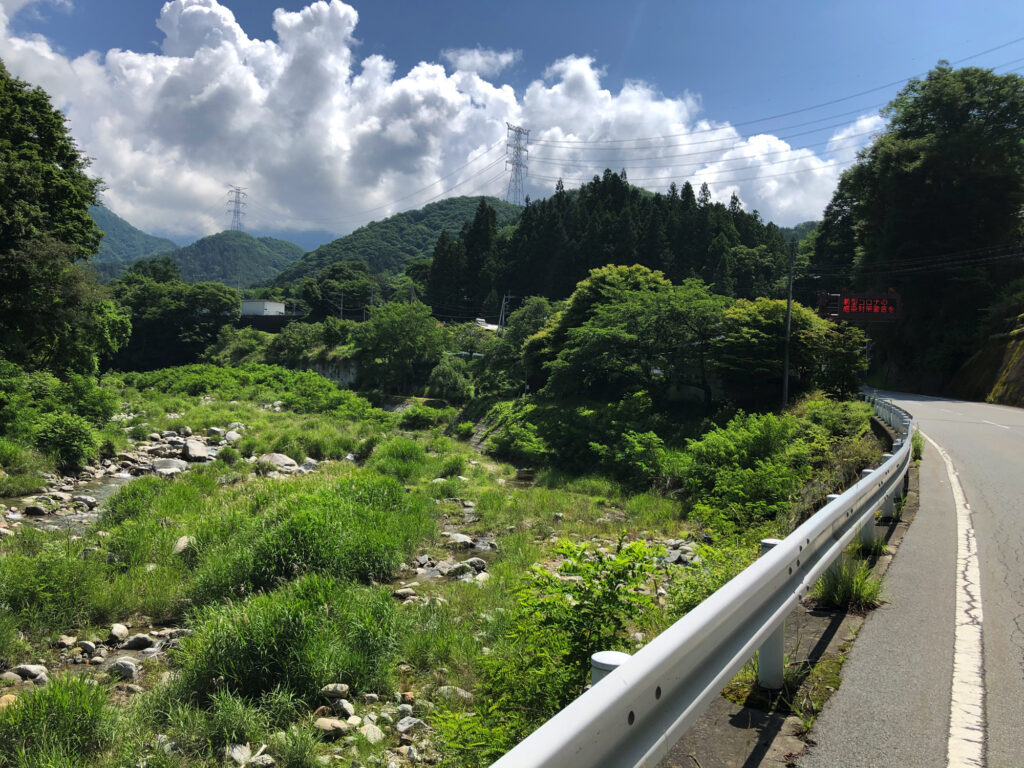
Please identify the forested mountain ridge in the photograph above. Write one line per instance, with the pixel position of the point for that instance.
(235, 258)
(392, 244)
(607, 221)
(123, 244)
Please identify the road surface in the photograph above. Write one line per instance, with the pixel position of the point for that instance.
(909, 685)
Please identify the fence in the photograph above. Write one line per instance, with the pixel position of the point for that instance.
(642, 707)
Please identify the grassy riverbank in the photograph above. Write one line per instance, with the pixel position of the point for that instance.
(436, 583)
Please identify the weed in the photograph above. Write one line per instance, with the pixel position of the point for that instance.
(849, 585)
(917, 445)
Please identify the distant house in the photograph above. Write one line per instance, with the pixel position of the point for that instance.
(261, 308)
(485, 325)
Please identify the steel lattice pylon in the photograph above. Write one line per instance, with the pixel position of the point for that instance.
(516, 156)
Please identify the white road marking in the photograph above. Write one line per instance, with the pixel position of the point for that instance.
(1001, 426)
(966, 745)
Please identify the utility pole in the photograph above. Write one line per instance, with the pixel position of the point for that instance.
(789, 323)
(503, 314)
(236, 199)
(516, 155)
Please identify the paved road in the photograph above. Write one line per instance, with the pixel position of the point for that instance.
(893, 708)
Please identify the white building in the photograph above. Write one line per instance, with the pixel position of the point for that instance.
(261, 308)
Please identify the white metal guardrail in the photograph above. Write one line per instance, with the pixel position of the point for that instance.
(643, 707)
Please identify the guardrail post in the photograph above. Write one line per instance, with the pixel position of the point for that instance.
(771, 657)
(603, 663)
(867, 531)
(889, 502)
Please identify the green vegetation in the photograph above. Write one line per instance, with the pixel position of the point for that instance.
(397, 241)
(849, 585)
(122, 244)
(932, 209)
(235, 258)
(917, 445)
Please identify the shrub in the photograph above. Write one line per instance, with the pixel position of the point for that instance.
(229, 455)
(67, 719)
(917, 445)
(450, 380)
(423, 417)
(452, 465)
(23, 469)
(68, 438)
(465, 430)
(698, 582)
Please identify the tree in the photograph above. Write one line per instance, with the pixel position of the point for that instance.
(44, 190)
(53, 314)
(942, 185)
(398, 345)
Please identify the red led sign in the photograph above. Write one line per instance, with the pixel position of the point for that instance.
(883, 307)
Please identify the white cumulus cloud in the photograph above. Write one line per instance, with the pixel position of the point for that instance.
(322, 139)
(484, 61)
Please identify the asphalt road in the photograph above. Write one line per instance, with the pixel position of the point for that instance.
(893, 708)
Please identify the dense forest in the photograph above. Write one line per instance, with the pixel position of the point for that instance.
(391, 245)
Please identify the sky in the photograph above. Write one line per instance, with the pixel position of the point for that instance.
(332, 114)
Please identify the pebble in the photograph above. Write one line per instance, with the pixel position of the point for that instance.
(335, 690)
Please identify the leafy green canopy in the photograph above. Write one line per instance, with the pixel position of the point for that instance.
(925, 209)
(52, 314)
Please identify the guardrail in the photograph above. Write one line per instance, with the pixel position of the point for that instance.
(642, 708)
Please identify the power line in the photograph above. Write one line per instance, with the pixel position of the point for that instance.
(811, 108)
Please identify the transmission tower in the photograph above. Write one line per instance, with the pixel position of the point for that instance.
(516, 155)
(236, 201)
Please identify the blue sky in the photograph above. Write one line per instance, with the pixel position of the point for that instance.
(360, 108)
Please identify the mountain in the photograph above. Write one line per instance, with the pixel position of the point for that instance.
(799, 232)
(235, 258)
(395, 242)
(123, 244)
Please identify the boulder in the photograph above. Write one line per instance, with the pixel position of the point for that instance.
(30, 671)
(409, 724)
(195, 451)
(280, 461)
(123, 668)
(454, 694)
(169, 467)
(335, 691)
(215, 432)
(138, 642)
(232, 436)
(460, 541)
(331, 727)
(185, 546)
(118, 634)
(372, 733)
(89, 501)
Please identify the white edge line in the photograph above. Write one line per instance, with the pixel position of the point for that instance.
(1001, 426)
(966, 744)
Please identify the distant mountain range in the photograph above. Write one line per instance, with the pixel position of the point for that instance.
(233, 258)
(123, 244)
(392, 244)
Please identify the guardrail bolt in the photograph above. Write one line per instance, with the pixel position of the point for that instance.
(771, 655)
(603, 663)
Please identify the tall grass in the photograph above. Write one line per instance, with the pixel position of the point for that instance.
(62, 723)
(296, 639)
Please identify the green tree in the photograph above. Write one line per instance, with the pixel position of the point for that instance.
(947, 177)
(53, 314)
(398, 345)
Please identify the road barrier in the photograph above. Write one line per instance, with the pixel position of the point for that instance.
(642, 708)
